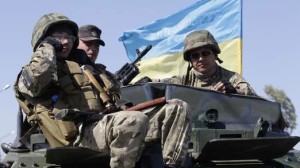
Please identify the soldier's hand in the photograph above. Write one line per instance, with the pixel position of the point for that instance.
(224, 86)
(54, 42)
(220, 86)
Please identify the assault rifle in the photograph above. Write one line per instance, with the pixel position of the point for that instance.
(129, 71)
(78, 116)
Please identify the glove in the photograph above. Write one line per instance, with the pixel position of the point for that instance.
(145, 79)
(229, 88)
(54, 42)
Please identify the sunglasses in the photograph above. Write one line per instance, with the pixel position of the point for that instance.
(60, 37)
(204, 53)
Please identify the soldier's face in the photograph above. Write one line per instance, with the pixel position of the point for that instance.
(91, 48)
(67, 40)
(203, 59)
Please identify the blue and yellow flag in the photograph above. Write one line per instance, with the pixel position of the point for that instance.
(223, 18)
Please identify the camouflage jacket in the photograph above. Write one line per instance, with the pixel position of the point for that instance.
(221, 74)
(50, 84)
(40, 78)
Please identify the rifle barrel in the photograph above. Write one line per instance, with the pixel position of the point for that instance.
(143, 53)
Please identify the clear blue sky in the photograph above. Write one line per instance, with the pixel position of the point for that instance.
(270, 45)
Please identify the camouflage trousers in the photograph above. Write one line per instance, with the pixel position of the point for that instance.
(121, 135)
(170, 125)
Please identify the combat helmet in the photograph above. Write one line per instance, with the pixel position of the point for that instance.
(198, 39)
(47, 21)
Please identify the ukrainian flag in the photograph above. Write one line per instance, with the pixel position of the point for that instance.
(223, 18)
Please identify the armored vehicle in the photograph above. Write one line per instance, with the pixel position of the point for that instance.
(227, 131)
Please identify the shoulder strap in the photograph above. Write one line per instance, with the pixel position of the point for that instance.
(24, 104)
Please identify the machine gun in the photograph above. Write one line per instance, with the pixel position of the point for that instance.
(129, 71)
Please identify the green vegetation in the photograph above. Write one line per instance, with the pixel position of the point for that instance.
(287, 107)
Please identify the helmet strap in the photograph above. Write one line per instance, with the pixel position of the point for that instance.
(189, 68)
(219, 60)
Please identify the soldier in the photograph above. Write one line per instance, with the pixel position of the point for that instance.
(90, 41)
(201, 51)
(52, 82)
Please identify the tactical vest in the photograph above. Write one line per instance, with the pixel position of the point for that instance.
(77, 90)
(74, 90)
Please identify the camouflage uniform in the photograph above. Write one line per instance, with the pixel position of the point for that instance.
(45, 76)
(207, 82)
(203, 38)
(170, 125)
(50, 84)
